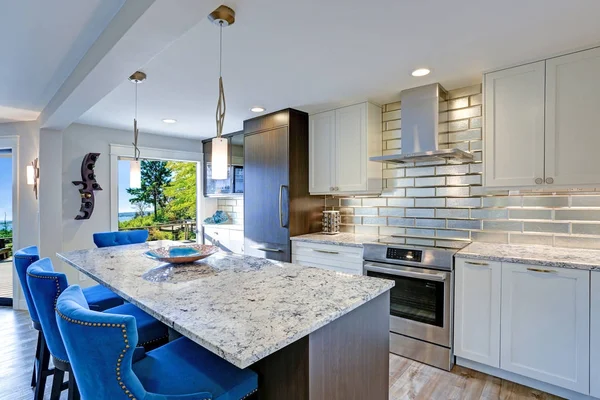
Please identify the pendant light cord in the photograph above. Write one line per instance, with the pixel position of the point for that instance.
(221, 106)
(136, 150)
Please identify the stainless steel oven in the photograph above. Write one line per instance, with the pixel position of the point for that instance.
(421, 302)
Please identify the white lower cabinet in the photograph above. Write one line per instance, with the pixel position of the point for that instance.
(229, 240)
(338, 258)
(595, 336)
(477, 311)
(545, 324)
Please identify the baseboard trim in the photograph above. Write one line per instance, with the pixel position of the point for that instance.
(522, 380)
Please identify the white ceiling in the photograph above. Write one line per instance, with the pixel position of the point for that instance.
(315, 54)
(42, 42)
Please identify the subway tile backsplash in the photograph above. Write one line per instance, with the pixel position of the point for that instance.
(445, 204)
(234, 207)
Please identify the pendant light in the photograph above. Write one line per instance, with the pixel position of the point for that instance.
(135, 171)
(222, 16)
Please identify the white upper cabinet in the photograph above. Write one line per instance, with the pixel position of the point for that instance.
(514, 126)
(545, 324)
(477, 311)
(540, 123)
(595, 336)
(572, 106)
(341, 142)
(322, 151)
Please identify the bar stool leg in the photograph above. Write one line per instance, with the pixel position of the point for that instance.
(42, 370)
(36, 360)
(73, 389)
(57, 383)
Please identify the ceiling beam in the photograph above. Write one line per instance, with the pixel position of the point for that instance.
(138, 32)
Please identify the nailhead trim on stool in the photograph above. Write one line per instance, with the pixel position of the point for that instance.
(103, 325)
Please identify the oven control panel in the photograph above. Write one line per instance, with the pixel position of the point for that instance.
(404, 254)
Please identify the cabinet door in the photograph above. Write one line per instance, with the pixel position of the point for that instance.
(322, 152)
(514, 126)
(572, 105)
(595, 336)
(545, 324)
(351, 148)
(477, 311)
(266, 196)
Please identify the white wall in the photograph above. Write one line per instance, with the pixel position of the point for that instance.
(27, 232)
(77, 141)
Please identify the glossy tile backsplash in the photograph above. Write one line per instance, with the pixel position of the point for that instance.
(444, 204)
(234, 207)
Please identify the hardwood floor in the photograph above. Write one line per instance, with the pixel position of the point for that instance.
(408, 379)
(415, 381)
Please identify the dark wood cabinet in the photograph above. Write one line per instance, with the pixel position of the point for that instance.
(277, 204)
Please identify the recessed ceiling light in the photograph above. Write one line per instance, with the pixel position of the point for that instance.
(169, 120)
(257, 109)
(420, 72)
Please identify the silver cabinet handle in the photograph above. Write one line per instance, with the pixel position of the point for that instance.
(476, 263)
(331, 188)
(539, 181)
(326, 251)
(546, 271)
(268, 249)
(549, 181)
(281, 206)
(336, 188)
(437, 277)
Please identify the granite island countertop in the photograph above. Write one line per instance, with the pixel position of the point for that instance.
(339, 239)
(239, 307)
(560, 257)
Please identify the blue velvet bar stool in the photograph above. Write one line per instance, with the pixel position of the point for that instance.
(45, 285)
(110, 239)
(22, 259)
(107, 366)
(98, 297)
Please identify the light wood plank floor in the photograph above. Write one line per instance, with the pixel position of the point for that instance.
(408, 379)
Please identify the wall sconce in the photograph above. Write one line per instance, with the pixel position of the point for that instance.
(33, 176)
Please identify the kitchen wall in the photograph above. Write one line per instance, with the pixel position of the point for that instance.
(444, 204)
(234, 207)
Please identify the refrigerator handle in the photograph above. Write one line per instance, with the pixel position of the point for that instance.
(281, 206)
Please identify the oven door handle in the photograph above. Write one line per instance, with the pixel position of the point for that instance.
(438, 277)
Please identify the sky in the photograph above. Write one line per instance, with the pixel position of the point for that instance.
(6, 188)
(124, 205)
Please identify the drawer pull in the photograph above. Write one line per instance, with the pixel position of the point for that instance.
(268, 249)
(476, 263)
(546, 271)
(326, 251)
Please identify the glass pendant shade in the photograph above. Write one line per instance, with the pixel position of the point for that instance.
(30, 175)
(135, 175)
(219, 158)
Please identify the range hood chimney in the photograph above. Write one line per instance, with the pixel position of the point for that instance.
(420, 136)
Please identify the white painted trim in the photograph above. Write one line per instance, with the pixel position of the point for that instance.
(522, 380)
(118, 151)
(12, 142)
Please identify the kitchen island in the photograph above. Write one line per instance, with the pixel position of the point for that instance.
(308, 333)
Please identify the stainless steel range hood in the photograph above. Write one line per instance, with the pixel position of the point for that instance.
(420, 134)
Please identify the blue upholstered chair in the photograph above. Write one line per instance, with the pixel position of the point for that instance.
(101, 350)
(109, 239)
(22, 259)
(45, 285)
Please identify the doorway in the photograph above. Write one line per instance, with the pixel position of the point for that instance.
(6, 227)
